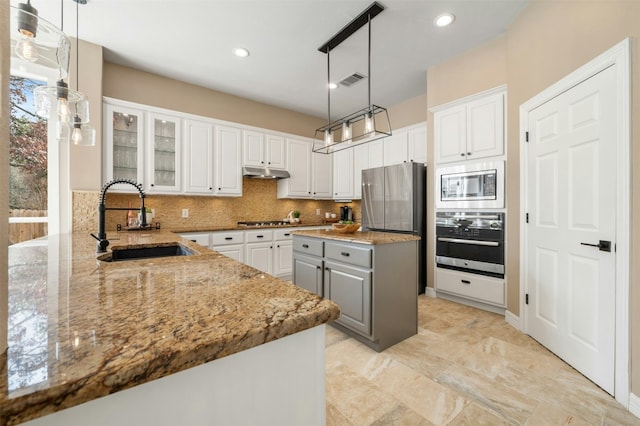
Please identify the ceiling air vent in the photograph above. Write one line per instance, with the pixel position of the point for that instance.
(352, 79)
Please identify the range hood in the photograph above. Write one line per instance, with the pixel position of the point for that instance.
(264, 173)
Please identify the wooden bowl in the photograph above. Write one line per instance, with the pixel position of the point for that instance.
(344, 228)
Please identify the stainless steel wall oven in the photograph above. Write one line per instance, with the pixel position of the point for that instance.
(471, 242)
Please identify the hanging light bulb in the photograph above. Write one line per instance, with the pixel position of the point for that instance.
(346, 131)
(27, 27)
(369, 125)
(82, 134)
(62, 93)
(328, 137)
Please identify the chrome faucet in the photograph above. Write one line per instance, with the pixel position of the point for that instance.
(103, 243)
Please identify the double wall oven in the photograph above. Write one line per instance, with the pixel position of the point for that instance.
(471, 242)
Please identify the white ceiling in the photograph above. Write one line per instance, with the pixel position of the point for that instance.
(192, 41)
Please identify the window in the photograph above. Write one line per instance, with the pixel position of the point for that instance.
(28, 165)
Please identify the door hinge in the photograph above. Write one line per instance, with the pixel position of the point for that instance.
(526, 217)
(526, 299)
(526, 136)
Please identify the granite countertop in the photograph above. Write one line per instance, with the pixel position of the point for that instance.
(362, 237)
(80, 328)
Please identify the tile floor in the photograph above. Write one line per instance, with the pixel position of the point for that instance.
(464, 367)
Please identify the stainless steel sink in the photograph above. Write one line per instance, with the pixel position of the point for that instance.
(145, 253)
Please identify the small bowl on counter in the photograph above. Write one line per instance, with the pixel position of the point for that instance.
(345, 228)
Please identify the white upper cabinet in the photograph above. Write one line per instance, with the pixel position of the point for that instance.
(264, 150)
(470, 129)
(343, 174)
(417, 144)
(406, 144)
(163, 158)
(228, 167)
(299, 160)
(395, 148)
(366, 156)
(198, 157)
(124, 145)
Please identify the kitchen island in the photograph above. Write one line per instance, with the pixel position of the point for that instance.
(193, 339)
(372, 276)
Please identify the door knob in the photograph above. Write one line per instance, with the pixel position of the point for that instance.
(602, 245)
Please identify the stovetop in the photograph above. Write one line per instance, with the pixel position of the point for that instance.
(265, 223)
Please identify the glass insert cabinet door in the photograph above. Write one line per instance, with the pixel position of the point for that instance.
(163, 149)
(124, 145)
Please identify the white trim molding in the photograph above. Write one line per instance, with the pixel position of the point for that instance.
(618, 56)
(430, 292)
(634, 405)
(513, 320)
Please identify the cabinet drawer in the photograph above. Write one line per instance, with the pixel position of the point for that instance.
(478, 287)
(311, 246)
(282, 234)
(232, 237)
(358, 256)
(258, 236)
(202, 239)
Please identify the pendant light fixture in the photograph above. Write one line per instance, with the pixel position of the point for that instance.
(36, 42)
(368, 124)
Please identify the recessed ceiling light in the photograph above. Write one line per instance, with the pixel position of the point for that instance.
(333, 86)
(444, 19)
(241, 52)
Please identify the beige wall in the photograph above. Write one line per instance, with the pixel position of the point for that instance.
(4, 169)
(547, 41)
(409, 112)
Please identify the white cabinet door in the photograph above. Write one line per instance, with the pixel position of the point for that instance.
(450, 131)
(253, 148)
(376, 153)
(395, 148)
(485, 127)
(260, 256)
(321, 177)
(275, 152)
(234, 251)
(417, 144)
(124, 145)
(299, 160)
(228, 161)
(198, 157)
(283, 259)
(343, 174)
(163, 153)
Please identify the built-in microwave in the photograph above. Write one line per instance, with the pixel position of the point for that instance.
(471, 186)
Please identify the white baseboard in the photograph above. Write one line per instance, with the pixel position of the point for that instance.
(634, 405)
(430, 292)
(513, 320)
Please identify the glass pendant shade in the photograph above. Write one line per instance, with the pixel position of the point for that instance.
(82, 134)
(66, 102)
(328, 137)
(38, 42)
(346, 131)
(63, 132)
(369, 125)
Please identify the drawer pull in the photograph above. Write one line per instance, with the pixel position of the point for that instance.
(259, 236)
(305, 246)
(465, 281)
(345, 253)
(287, 234)
(228, 238)
(194, 241)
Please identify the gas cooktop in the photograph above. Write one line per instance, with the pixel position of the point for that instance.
(265, 223)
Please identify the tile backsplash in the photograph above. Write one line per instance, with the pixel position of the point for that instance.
(258, 202)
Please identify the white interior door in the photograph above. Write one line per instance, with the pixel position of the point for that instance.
(571, 200)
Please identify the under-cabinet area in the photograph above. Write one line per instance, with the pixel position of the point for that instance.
(372, 276)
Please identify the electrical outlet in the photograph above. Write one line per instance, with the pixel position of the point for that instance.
(317, 212)
(185, 213)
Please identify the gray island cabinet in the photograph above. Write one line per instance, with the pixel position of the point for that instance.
(372, 276)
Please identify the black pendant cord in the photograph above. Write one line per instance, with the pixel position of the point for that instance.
(328, 91)
(78, 49)
(369, 67)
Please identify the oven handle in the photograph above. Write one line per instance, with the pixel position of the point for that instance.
(473, 242)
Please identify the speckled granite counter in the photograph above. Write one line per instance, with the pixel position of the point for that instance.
(80, 328)
(363, 237)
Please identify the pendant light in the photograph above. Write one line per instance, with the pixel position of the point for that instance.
(82, 133)
(37, 43)
(366, 125)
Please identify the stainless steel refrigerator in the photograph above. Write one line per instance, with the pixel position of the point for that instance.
(394, 200)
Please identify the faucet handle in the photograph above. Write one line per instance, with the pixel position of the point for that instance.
(101, 245)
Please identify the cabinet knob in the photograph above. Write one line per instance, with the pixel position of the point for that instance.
(278, 246)
(270, 247)
(462, 154)
(152, 185)
(219, 189)
(305, 246)
(262, 162)
(269, 162)
(210, 189)
(318, 267)
(468, 153)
